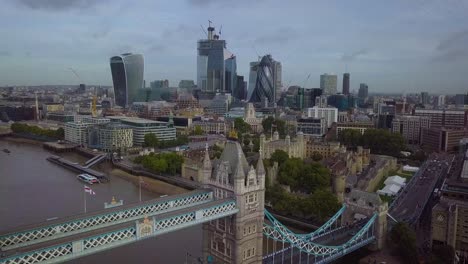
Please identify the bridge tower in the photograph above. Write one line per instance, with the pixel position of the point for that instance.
(361, 204)
(238, 238)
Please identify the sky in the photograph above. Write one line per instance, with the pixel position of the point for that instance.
(393, 46)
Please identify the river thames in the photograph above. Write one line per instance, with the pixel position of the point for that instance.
(33, 190)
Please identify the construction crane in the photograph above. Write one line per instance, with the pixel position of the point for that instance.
(305, 82)
(76, 74)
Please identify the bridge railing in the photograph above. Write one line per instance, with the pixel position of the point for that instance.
(128, 233)
(82, 223)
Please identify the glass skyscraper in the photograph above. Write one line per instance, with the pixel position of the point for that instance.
(216, 66)
(265, 80)
(127, 76)
(264, 83)
(328, 83)
(346, 83)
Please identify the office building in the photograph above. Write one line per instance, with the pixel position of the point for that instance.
(461, 100)
(363, 92)
(321, 101)
(159, 84)
(141, 127)
(216, 65)
(265, 80)
(410, 127)
(186, 84)
(61, 117)
(330, 114)
(312, 127)
(361, 126)
(328, 83)
(16, 113)
(444, 117)
(450, 214)
(127, 76)
(441, 139)
(440, 101)
(339, 101)
(240, 92)
(346, 84)
(77, 132)
(213, 126)
(424, 98)
(110, 137)
(250, 117)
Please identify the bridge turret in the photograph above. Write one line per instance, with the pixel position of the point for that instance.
(242, 239)
(207, 167)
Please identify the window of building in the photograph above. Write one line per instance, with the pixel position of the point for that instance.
(222, 224)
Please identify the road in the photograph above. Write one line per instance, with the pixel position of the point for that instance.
(414, 197)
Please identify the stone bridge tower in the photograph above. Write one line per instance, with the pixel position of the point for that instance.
(362, 204)
(238, 238)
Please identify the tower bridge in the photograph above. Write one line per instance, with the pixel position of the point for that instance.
(236, 226)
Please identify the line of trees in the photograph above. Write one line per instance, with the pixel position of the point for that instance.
(379, 141)
(35, 130)
(169, 163)
(151, 140)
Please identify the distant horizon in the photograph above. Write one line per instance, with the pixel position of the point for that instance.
(355, 91)
(399, 46)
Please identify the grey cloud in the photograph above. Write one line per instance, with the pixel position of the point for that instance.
(452, 48)
(58, 4)
(353, 56)
(4, 53)
(101, 32)
(281, 36)
(156, 48)
(454, 39)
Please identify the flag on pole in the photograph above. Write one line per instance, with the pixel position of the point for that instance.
(89, 190)
(142, 182)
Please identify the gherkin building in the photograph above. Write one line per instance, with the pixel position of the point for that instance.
(264, 81)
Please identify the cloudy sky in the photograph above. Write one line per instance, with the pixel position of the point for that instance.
(394, 46)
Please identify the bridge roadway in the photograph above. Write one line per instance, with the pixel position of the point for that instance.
(25, 235)
(162, 223)
(411, 202)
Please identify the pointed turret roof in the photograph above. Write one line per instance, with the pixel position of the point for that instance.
(206, 159)
(234, 155)
(260, 167)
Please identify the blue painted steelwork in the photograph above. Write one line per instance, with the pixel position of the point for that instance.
(279, 233)
(163, 223)
(84, 223)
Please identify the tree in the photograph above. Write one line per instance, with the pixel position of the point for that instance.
(278, 124)
(279, 156)
(60, 133)
(198, 130)
(403, 240)
(151, 140)
(241, 126)
(316, 156)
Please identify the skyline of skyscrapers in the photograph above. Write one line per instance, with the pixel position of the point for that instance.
(363, 91)
(127, 76)
(328, 83)
(216, 65)
(346, 83)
